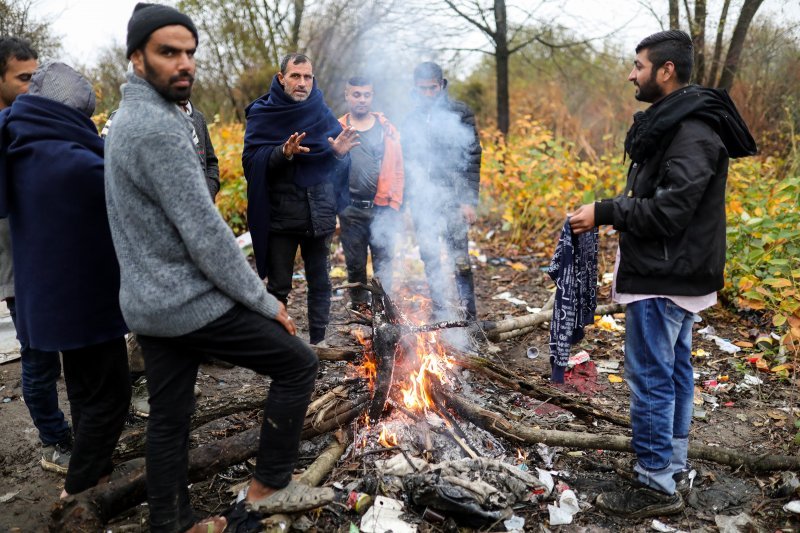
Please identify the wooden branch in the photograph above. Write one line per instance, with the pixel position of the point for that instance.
(494, 329)
(499, 425)
(338, 354)
(91, 509)
(540, 391)
(313, 476)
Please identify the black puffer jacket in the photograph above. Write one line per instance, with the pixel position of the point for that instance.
(308, 211)
(441, 148)
(672, 213)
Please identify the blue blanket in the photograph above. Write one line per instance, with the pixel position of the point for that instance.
(574, 270)
(66, 275)
(271, 120)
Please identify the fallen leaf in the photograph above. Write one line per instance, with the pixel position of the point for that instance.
(613, 378)
(698, 396)
(777, 415)
(700, 353)
(519, 267)
(743, 344)
(780, 368)
(338, 272)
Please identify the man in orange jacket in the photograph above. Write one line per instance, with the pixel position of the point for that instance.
(376, 191)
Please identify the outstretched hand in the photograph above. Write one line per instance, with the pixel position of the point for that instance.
(293, 146)
(344, 142)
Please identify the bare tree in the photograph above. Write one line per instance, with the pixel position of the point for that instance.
(16, 20)
(696, 20)
(746, 14)
(505, 39)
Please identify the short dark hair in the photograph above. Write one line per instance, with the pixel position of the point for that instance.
(295, 58)
(359, 81)
(14, 47)
(670, 45)
(428, 71)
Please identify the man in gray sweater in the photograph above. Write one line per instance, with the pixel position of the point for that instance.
(186, 288)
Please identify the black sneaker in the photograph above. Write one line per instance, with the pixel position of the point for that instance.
(55, 457)
(639, 501)
(683, 479)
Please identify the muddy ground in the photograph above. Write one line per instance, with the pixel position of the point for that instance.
(753, 419)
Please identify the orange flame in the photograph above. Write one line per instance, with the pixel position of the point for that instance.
(387, 439)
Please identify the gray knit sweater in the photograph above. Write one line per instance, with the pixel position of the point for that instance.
(180, 266)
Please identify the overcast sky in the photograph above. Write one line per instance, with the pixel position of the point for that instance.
(88, 26)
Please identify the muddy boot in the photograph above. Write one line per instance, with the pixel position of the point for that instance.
(639, 501)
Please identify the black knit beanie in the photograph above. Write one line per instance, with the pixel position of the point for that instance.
(147, 18)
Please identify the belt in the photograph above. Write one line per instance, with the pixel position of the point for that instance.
(362, 204)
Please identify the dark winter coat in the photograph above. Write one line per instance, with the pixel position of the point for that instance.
(441, 154)
(671, 216)
(51, 188)
(301, 195)
(205, 150)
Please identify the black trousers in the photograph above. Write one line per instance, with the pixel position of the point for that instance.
(440, 227)
(99, 393)
(368, 230)
(243, 338)
(281, 250)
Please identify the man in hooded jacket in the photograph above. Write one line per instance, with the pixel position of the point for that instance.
(671, 258)
(66, 272)
(295, 160)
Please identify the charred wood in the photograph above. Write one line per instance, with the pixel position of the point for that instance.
(540, 391)
(499, 425)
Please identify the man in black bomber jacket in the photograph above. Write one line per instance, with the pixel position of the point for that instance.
(671, 258)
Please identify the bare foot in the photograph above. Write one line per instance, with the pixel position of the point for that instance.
(258, 491)
(214, 524)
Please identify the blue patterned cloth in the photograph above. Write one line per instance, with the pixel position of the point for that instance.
(574, 270)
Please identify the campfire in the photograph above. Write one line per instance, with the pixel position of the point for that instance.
(410, 423)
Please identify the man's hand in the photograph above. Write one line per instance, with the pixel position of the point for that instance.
(292, 146)
(469, 213)
(344, 142)
(582, 220)
(285, 320)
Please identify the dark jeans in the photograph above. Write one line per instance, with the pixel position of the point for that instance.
(445, 226)
(99, 394)
(244, 338)
(40, 371)
(281, 249)
(374, 229)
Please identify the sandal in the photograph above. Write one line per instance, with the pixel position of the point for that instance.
(294, 498)
(243, 519)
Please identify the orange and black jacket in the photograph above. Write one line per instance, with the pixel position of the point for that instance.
(391, 177)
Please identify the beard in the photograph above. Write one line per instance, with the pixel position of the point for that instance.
(649, 91)
(167, 90)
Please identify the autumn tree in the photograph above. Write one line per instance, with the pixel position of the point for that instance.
(16, 20)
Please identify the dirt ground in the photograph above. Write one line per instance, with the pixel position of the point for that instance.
(751, 418)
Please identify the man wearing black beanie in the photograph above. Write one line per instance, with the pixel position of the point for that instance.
(187, 291)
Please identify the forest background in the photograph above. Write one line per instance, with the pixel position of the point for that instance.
(552, 103)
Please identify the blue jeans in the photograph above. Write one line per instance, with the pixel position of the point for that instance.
(40, 371)
(658, 369)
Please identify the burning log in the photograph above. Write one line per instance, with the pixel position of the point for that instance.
(499, 425)
(91, 509)
(514, 327)
(337, 354)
